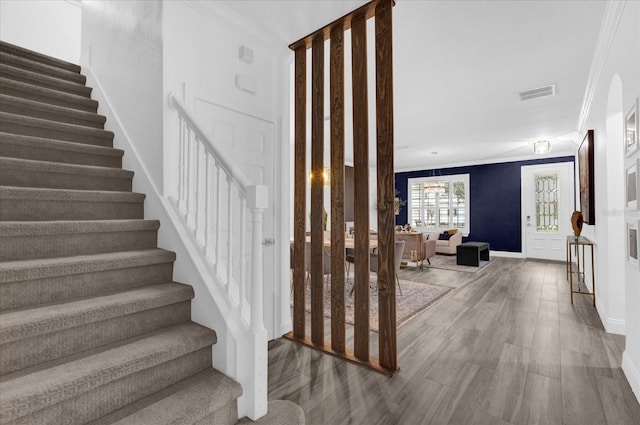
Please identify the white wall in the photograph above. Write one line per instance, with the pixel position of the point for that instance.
(201, 44)
(51, 27)
(617, 283)
(122, 44)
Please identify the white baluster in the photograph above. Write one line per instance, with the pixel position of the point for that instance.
(208, 211)
(198, 200)
(182, 168)
(218, 214)
(189, 175)
(243, 234)
(229, 233)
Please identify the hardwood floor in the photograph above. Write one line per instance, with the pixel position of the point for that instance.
(506, 347)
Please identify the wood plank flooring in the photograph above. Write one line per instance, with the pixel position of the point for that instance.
(506, 347)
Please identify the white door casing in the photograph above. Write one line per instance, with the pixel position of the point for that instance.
(250, 142)
(547, 244)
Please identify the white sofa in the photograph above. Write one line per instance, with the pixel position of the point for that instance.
(447, 246)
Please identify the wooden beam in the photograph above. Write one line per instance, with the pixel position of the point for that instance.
(386, 194)
(361, 186)
(317, 198)
(367, 10)
(336, 97)
(299, 192)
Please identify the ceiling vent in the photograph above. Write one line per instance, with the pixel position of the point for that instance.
(539, 92)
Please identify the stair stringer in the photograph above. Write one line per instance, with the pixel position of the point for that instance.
(211, 306)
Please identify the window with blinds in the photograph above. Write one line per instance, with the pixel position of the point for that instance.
(440, 203)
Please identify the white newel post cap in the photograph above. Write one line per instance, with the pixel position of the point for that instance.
(257, 196)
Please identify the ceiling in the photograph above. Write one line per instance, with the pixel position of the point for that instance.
(459, 67)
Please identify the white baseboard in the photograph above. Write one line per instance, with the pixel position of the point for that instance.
(506, 254)
(611, 325)
(632, 372)
(616, 326)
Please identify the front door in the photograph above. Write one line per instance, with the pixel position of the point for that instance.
(547, 204)
(249, 142)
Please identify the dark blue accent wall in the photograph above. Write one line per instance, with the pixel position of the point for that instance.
(495, 200)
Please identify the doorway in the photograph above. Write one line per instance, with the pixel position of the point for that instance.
(548, 199)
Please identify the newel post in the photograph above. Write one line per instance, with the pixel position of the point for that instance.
(257, 202)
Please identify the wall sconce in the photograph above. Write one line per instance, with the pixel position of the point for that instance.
(541, 147)
(326, 176)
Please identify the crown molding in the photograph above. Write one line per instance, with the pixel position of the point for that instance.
(610, 20)
(490, 161)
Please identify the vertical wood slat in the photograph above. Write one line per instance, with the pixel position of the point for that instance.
(336, 89)
(317, 198)
(299, 196)
(361, 186)
(356, 21)
(386, 187)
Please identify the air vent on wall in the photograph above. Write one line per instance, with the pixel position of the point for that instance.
(539, 92)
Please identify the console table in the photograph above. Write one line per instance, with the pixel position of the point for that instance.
(578, 242)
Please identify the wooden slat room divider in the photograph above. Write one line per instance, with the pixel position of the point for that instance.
(334, 32)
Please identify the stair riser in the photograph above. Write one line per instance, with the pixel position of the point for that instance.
(12, 53)
(107, 398)
(47, 112)
(43, 348)
(29, 293)
(47, 210)
(57, 134)
(45, 80)
(45, 152)
(55, 180)
(66, 245)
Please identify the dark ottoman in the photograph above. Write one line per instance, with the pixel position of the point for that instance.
(470, 253)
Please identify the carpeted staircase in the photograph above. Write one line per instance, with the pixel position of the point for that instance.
(92, 327)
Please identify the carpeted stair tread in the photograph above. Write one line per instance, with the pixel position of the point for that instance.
(46, 111)
(45, 174)
(12, 49)
(47, 95)
(37, 127)
(280, 412)
(51, 79)
(183, 403)
(32, 240)
(29, 322)
(23, 203)
(16, 271)
(38, 228)
(12, 192)
(26, 394)
(38, 148)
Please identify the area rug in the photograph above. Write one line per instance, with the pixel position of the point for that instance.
(448, 262)
(415, 298)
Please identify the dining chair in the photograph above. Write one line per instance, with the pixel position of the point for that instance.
(326, 264)
(399, 251)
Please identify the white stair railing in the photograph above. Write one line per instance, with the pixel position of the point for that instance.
(213, 196)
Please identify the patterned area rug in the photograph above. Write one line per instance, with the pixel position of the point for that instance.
(415, 298)
(448, 262)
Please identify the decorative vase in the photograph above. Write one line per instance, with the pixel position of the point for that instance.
(576, 222)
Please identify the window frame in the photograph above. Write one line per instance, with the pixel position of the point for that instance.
(447, 178)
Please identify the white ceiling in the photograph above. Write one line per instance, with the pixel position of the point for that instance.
(458, 69)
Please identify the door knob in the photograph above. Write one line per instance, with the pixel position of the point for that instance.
(268, 241)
